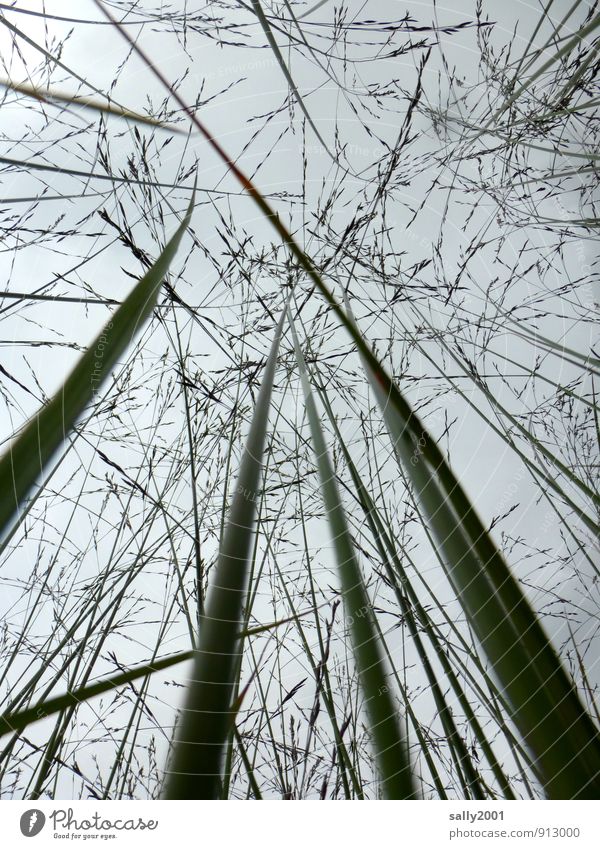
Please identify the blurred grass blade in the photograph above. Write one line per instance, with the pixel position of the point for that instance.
(545, 705)
(29, 454)
(12, 722)
(390, 749)
(312, 9)
(55, 97)
(194, 770)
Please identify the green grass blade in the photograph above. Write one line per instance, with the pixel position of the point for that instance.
(50, 96)
(545, 705)
(28, 456)
(194, 771)
(312, 9)
(390, 750)
(12, 722)
(411, 605)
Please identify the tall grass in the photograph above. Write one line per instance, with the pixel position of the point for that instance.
(352, 626)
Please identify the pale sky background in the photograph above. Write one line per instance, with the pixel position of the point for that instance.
(237, 84)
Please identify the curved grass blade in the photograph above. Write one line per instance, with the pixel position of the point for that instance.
(390, 750)
(194, 771)
(28, 456)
